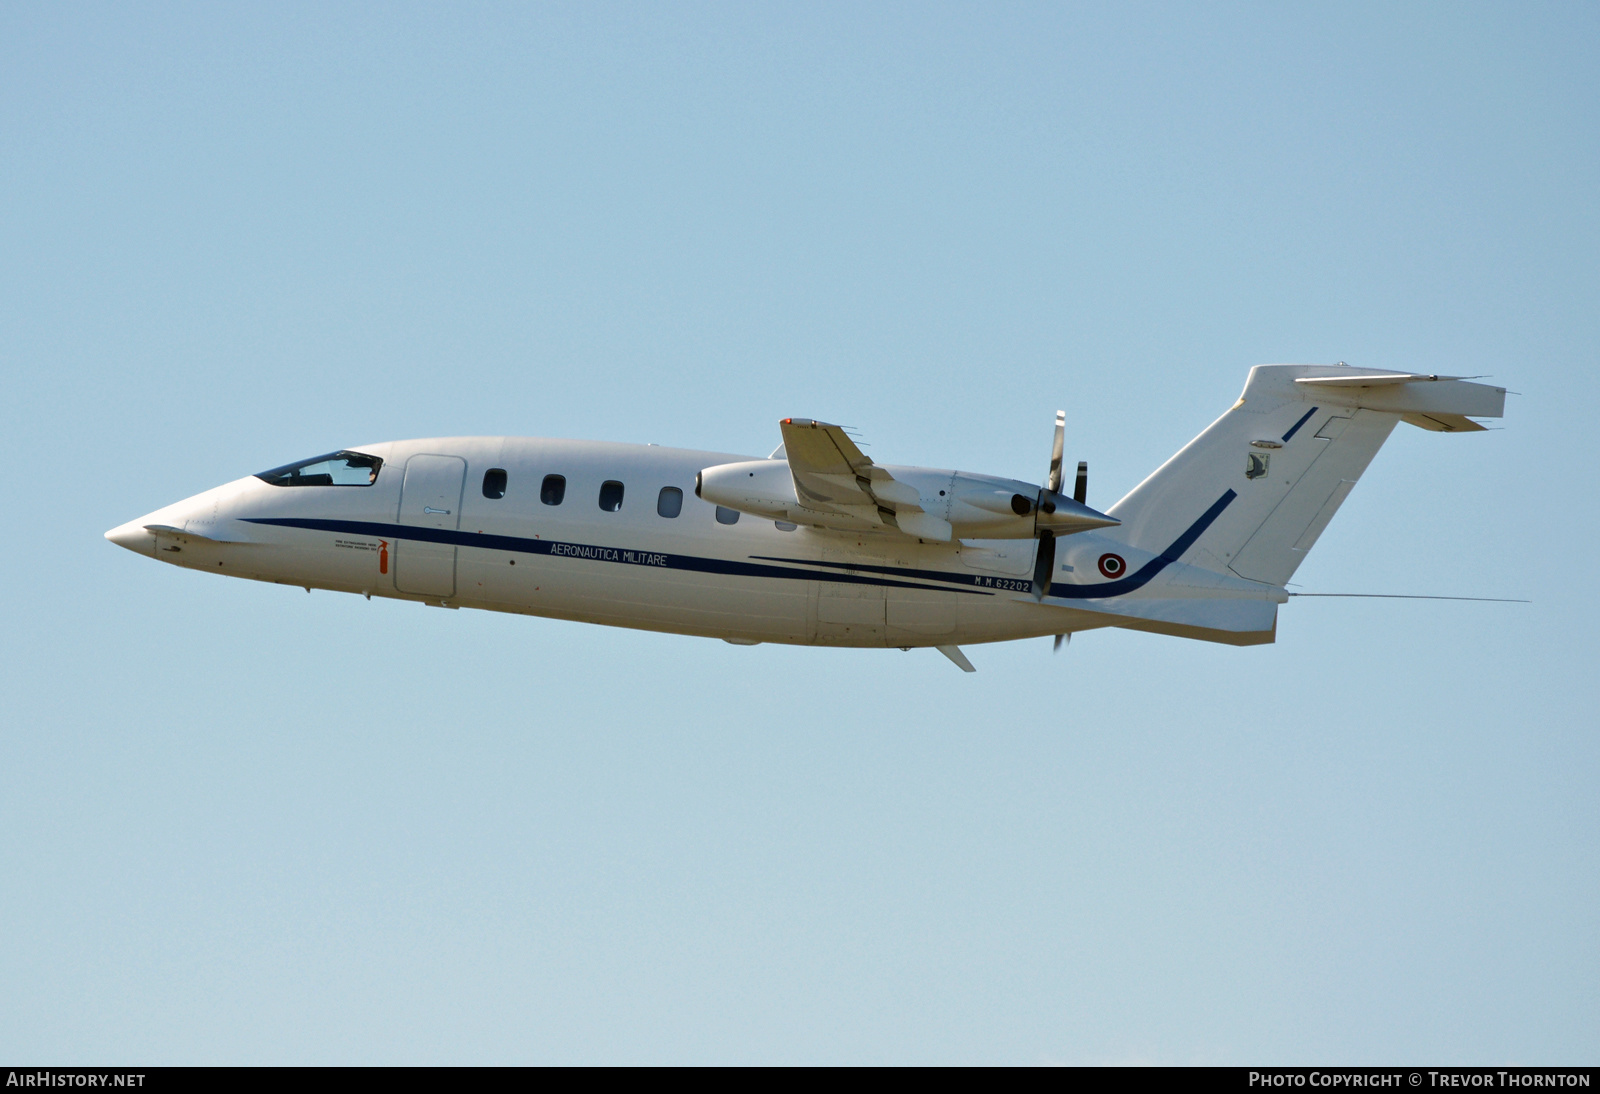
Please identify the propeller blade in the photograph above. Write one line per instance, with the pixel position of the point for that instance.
(1053, 483)
(1044, 565)
(1080, 490)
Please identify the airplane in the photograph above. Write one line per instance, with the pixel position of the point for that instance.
(818, 544)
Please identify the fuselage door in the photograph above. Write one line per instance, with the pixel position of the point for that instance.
(429, 499)
(851, 609)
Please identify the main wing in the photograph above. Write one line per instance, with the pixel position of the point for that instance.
(840, 483)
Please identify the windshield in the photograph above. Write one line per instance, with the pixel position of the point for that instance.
(334, 469)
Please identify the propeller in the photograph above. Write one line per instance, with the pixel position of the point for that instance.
(1056, 515)
(1053, 483)
(1044, 563)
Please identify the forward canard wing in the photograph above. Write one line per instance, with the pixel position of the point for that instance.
(840, 484)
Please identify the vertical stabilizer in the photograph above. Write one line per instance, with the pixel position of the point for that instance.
(1282, 460)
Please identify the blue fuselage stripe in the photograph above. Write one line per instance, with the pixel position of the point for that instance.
(559, 549)
(791, 569)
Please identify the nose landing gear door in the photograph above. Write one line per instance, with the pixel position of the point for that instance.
(430, 501)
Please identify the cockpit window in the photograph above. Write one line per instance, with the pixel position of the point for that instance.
(334, 469)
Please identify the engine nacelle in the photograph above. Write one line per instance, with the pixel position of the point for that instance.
(924, 502)
(762, 488)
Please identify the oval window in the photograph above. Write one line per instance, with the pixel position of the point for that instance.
(553, 489)
(494, 482)
(670, 502)
(726, 515)
(611, 495)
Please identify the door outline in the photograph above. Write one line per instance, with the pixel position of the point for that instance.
(433, 483)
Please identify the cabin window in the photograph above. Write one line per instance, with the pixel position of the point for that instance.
(784, 525)
(494, 482)
(553, 489)
(334, 469)
(726, 515)
(611, 495)
(670, 502)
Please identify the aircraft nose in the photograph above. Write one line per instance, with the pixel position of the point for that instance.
(133, 536)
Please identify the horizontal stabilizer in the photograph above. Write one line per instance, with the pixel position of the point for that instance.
(1438, 403)
(1374, 379)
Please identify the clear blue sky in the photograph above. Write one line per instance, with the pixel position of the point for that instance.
(243, 824)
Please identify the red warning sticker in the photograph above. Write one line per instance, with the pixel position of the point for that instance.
(383, 557)
(1112, 565)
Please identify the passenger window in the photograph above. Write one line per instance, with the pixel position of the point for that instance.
(334, 469)
(611, 495)
(494, 482)
(553, 489)
(727, 516)
(670, 502)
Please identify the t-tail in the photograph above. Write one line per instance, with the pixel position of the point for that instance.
(1212, 536)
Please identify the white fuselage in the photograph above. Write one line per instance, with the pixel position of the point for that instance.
(819, 544)
(424, 530)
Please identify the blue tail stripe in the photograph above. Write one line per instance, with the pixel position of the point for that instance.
(1149, 570)
(1296, 427)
